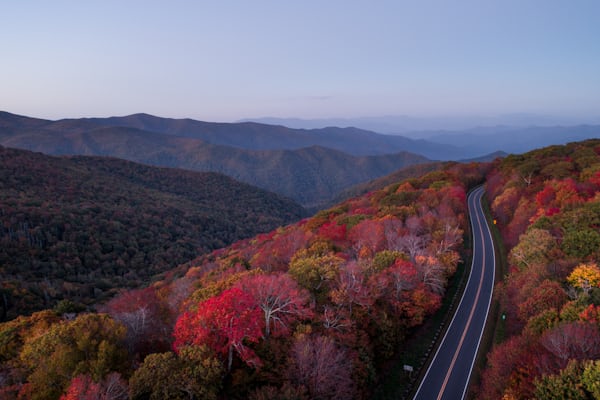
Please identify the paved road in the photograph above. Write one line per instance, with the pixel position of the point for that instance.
(448, 375)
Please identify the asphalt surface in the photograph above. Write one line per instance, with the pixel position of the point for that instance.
(448, 375)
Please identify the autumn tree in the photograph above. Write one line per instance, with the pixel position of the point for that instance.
(432, 273)
(585, 277)
(547, 295)
(82, 387)
(145, 317)
(591, 378)
(581, 243)
(561, 386)
(367, 237)
(280, 298)
(193, 373)
(91, 344)
(401, 277)
(225, 323)
(322, 367)
(315, 272)
(502, 363)
(351, 287)
(533, 248)
(579, 341)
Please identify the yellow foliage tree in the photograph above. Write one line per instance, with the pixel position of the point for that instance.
(585, 276)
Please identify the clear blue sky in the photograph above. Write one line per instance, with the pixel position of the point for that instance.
(226, 60)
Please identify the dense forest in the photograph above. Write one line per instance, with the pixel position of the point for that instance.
(316, 309)
(308, 311)
(80, 228)
(547, 206)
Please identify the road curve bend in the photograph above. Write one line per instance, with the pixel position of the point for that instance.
(447, 377)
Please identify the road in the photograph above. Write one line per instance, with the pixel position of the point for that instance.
(448, 375)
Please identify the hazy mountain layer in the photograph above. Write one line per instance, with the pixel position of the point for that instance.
(310, 175)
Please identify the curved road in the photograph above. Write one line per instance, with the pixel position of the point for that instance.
(448, 375)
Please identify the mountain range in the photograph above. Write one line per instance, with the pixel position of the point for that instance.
(465, 138)
(310, 166)
(420, 127)
(310, 175)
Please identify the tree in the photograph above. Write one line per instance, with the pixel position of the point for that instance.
(585, 277)
(591, 378)
(502, 361)
(315, 272)
(533, 248)
(367, 237)
(402, 277)
(280, 299)
(431, 273)
(91, 344)
(322, 367)
(579, 341)
(82, 387)
(145, 317)
(224, 323)
(286, 392)
(352, 288)
(547, 295)
(563, 386)
(581, 243)
(194, 373)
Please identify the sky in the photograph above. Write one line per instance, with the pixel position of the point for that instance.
(227, 60)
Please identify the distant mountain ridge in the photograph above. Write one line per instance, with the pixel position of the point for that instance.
(466, 138)
(258, 136)
(251, 135)
(310, 175)
(417, 127)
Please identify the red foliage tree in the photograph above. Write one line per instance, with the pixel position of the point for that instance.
(275, 253)
(82, 387)
(224, 323)
(334, 232)
(402, 276)
(281, 300)
(367, 237)
(502, 367)
(546, 295)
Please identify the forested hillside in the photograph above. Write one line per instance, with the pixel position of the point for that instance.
(308, 311)
(80, 228)
(547, 206)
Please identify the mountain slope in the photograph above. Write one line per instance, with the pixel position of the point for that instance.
(546, 204)
(334, 296)
(79, 227)
(413, 171)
